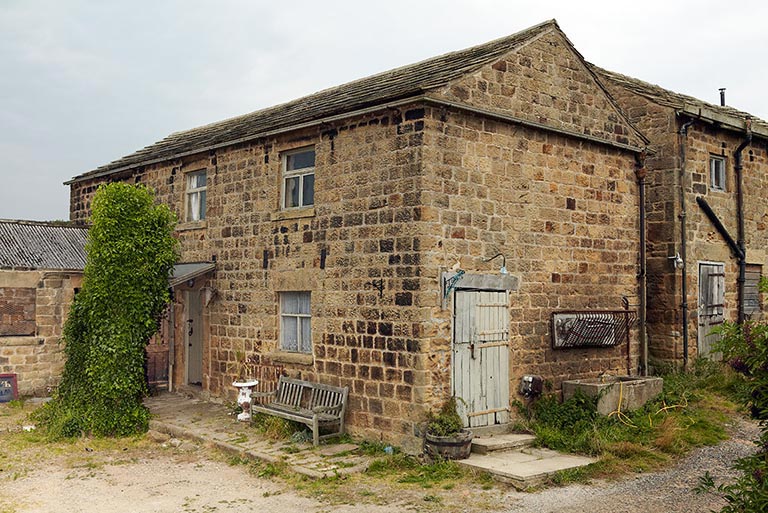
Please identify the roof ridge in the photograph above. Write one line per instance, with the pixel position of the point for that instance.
(673, 97)
(380, 74)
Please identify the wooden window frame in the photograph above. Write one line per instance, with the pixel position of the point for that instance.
(302, 346)
(301, 175)
(717, 174)
(195, 193)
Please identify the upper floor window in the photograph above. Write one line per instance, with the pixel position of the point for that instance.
(295, 322)
(717, 172)
(299, 178)
(196, 185)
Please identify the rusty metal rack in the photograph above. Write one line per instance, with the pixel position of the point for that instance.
(591, 328)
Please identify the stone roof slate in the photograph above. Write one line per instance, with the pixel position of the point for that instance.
(684, 103)
(396, 84)
(26, 245)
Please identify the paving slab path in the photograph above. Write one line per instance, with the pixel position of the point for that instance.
(212, 423)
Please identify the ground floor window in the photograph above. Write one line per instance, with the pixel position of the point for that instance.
(295, 322)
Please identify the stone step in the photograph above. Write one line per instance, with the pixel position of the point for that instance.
(505, 442)
(524, 468)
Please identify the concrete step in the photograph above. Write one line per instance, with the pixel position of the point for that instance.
(524, 468)
(505, 442)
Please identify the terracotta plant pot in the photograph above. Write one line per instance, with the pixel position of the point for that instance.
(453, 447)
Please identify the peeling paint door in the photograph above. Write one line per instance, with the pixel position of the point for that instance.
(194, 337)
(481, 356)
(711, 305)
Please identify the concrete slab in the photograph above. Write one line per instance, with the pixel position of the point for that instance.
(486, 445)
(525, 468)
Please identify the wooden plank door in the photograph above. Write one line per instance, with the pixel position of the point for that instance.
(711, 305)
(194, 336)
(481, 356)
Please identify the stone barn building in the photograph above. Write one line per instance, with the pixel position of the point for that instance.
(411, 235)
(707, 215)
(41, 267)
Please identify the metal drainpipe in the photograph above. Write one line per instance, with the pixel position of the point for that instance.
(642, 275)
(684, 240)
(738, 167)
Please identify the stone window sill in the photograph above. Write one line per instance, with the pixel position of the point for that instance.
(295, 213)
(192, 225)
(286, 357)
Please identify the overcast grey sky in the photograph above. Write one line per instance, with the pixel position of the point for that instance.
(86, 82)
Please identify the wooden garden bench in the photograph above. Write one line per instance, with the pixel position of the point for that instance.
(313, 404)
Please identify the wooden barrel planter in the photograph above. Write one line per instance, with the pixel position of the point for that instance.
(453, 447)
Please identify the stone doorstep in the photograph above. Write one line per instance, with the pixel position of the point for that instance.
(524, 468)
(504, 442)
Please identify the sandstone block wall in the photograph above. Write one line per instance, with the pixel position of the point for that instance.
(564, 214)
(661, 125)
(357, 250)
(36, 357)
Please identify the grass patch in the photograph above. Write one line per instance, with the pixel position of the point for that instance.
(276, 428)
(692, 411)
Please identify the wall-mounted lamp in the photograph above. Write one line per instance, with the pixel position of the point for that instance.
(191, 283)
(503, 269)
(677, 261)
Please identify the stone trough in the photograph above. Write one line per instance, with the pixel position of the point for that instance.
(628, 391)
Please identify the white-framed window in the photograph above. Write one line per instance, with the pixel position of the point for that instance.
(295, 322)
(717, 172)
(298, 178)
(196, 185)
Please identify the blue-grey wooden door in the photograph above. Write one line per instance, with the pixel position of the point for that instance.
(481, 356)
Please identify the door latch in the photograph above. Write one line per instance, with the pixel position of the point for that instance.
(190, 329)
(472, 350)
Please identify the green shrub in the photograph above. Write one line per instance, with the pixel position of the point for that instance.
(745, 348)
(130, 254)
(446, 422)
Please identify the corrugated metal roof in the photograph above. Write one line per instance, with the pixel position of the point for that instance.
(735, 118)
(396, 84)
(37, 245)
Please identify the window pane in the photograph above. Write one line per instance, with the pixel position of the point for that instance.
(300, 160)
(289, 303)
(201, 202)
(292, 192)
(289, 334)
(303, 302)
(308, 189)
(306, 335)
(193, 206)
(196, 179)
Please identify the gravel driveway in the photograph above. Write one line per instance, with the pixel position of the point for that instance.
(668, 491)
